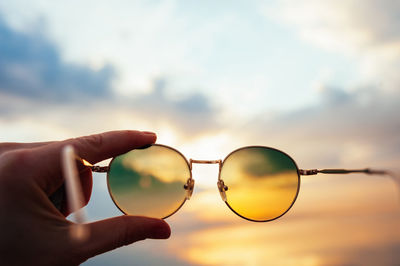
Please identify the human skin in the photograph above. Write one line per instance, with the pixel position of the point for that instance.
(33, 231)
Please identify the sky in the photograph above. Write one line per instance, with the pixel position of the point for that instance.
(318, 80)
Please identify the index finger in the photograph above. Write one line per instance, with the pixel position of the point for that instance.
(92, 148)
(10, 146)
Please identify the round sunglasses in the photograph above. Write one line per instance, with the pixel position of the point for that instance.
(257, 183)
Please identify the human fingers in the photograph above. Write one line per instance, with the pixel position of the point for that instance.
(115, 232)
(85, 176)
(9, 146)
(94, 148)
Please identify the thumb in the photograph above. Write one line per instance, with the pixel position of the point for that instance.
(115, 232)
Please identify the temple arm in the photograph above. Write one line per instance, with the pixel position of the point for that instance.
(344, 171)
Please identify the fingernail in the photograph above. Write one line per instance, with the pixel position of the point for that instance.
(148, 133)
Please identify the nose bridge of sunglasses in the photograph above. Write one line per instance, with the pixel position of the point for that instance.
(220, 184)
(192, 161)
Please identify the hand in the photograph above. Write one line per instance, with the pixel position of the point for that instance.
(33, 230)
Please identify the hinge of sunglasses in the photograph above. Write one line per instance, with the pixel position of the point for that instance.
(99, 169)
(189, 188)
(95, 168)
(222, 188)
(308, 172)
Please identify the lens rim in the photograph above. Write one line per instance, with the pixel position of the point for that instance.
(269, 148)
(145, 147)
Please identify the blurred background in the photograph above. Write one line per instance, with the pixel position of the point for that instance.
(318, 80)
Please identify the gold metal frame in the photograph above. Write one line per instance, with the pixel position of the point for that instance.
(222, 188)
(189, 186)
(269, 148)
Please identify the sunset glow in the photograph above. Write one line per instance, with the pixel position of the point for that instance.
(316, 80)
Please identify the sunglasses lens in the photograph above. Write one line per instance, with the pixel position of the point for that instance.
(262, 182)
(149, 182)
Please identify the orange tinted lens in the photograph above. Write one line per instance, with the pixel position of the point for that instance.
(149, 182)
(262, 182)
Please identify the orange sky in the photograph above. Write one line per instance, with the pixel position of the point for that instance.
(316, 80)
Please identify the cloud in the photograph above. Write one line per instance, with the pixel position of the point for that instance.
(354, 24)
(34, 79)
(194, 103)
(189, 114)
(345, 129)
(142, 40)
(349, 125)
(31, 67)
(38, 72)
(367, 31)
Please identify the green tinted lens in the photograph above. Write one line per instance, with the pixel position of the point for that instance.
(262, 182)
(149, 182)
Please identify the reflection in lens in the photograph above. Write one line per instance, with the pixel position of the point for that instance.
(262, 182)
(149, 182)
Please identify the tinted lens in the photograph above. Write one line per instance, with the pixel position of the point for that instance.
(149, 182)
(262, 182)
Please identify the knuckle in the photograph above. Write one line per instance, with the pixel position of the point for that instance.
(92, 141)
(95, 140)
(127, 233)
(122, 236)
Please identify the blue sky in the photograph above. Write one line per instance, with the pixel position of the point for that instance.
(214, 49)
(317, 80)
